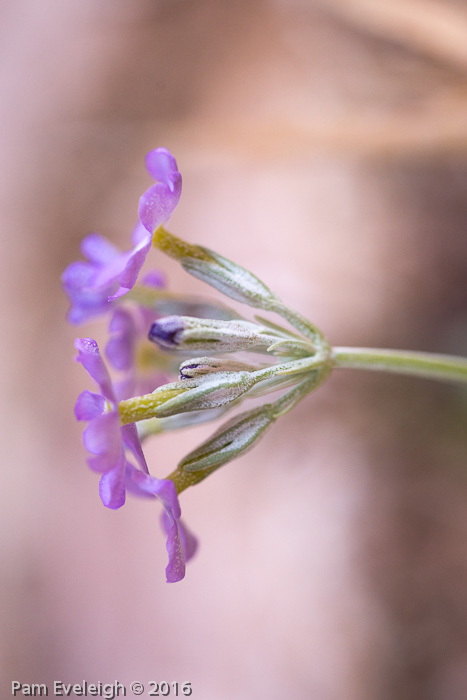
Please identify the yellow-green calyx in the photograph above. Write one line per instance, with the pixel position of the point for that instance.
(177, 248)
(141, 407)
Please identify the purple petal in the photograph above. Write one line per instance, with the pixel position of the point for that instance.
(112, 486)
(77, 275)
(89, 356)
(120, 348)
(89, 405)
(154, 278)
(131, 440)
(138, 234)
(129, 274)
(157, 204)
(125, 388)
(119, 352)
(164, 489)
(175, 569)
(107, 276)
(188, 541)
(87, 306)
(86, 302)
(121, 321)
(98, 250)
(167, 493)
(103, 437)
(100, 464)
(131, 485)
(161, 165)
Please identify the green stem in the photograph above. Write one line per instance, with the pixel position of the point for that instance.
(285, 369)
(302, 324)
(290, 399)
(422, 364)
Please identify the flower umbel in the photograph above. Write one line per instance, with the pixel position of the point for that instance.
(287, 363)
(208, 386)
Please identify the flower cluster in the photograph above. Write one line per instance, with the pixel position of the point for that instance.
(148, 326)
(96, 287)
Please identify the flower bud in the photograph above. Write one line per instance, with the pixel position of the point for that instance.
(208, 391)
(199, 366)
(232, 439)
(223, 274)
(186, 333)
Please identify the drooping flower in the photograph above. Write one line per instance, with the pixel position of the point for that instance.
(105, 438)
(109, 273)
(108, 441)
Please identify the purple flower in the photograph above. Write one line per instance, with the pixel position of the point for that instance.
(105, 438)
(107, 441)
(78, 282)
(108, 273)
(181, 543)
(158, 202)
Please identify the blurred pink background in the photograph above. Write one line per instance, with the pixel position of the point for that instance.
(324, 145)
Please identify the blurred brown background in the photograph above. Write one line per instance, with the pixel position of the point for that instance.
(323, 143)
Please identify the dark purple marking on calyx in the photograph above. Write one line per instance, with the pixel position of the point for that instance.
(182, 370)
(166, 331)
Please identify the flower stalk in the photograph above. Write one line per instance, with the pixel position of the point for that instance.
(421, 364)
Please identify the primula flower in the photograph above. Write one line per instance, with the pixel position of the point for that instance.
(106, 275)
(79, 280)
(109, 273)
(107, 440)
